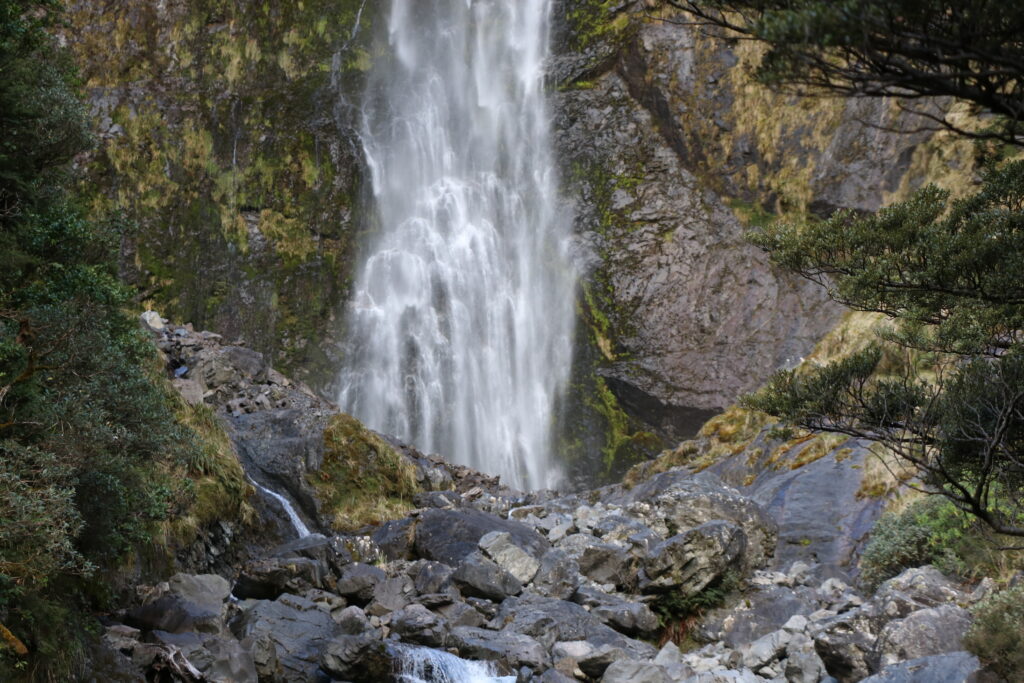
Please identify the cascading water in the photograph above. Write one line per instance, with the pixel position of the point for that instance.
(461, 320)
(423, 665)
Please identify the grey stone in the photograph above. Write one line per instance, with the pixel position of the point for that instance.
(417, 624)
(803, 665)
(514, 649)
(558, 575)
(298, 629)
(954, 667)
(689, 561)
(358, 581)
(931, 631)
(478, 576)
(357, 658)
(448, 536)
(500, 547)
(631, 671)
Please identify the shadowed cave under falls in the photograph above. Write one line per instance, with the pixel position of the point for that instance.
(461, 318)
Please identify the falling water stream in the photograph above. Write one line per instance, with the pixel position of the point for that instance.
(461, 320)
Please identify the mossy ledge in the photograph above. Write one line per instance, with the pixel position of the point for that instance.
(363, 480)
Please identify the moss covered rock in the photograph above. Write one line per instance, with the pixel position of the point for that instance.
(363, 479)
(226, 144)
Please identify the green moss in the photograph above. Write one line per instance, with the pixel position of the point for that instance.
(363, 479)
(595, 21)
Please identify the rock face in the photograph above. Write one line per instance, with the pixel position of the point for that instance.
(669, 153)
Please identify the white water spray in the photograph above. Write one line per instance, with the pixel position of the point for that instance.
(461, 320)
(423, 665)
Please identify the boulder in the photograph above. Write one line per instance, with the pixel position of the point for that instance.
(514, 649)
(502, 549)
(268, 578)
(845, 644)
(358, 581)
(631, 618)
(432, 577)
(932, 631)
(558, 575)
(448, 536)
(605, 563)
(478, 576)
(690, 561)
(417, 624)
(192, 603)
(298, 629)
(357, 658)
(953, 667)
(681, 501)
(395, 538)
(803, 665)
(390, 595)
(630, 671)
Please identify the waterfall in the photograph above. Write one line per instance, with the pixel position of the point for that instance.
(461, 319)
(423, 665)
(300, 527)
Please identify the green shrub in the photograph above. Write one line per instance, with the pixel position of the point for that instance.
(997, 634)
(930, 531)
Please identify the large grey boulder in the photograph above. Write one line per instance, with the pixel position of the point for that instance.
(631, 671)
(357, 658)
(514, 649)
(625, 616)
(558, 575)
(192, 603)
(448, 536)
(931, 631)
(690, 561)
(954, 667)
(358, 582)
(478, 576)
(417, 624)
(502, 549)
(551, 621)
(298, 630)
(267, 578)
(681, 501)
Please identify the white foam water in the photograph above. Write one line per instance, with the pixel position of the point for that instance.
(423, 665)
(461, 319)
(300, 527)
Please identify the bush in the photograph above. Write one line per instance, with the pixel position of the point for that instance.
(930, 531)
(997, 634)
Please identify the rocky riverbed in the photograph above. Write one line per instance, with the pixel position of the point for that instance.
(586, 586)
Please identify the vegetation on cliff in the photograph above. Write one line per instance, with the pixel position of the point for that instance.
(947, 272)
(91, 458)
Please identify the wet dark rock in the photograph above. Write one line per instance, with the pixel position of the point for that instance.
(448, 536)
(417, 624)
(514, 649)
(357, 658)
(395, 538)
(478, 576)
(558, 575)
(298, 629)
(358, 581)
(268, 578)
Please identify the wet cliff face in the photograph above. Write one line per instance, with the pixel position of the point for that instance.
(670, 152)
(226, 146)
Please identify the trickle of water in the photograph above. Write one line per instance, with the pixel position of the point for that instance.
(461, 321)
(300, 527)
(423, 665)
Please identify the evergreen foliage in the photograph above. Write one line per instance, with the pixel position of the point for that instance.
(88, 441)
(946, 272)
(971, 50)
